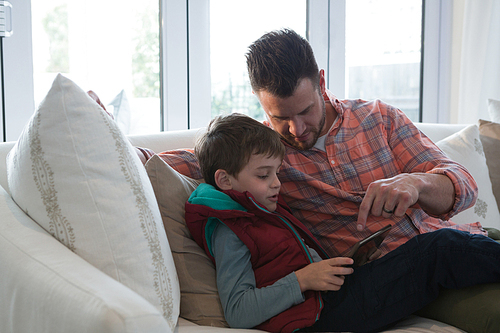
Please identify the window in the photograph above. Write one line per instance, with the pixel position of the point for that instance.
(113, 51)
(380, 48)
(383, 41)
(234, 25)
(179, 72)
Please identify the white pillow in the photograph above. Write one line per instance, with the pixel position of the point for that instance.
(465, 148)
(121, 111)
(76, 175)
(494, 110)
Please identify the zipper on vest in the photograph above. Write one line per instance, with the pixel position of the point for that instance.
(292, 229)
(297, 236)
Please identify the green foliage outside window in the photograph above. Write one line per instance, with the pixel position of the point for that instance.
(236, 98)
(146, 56)
(55, 25)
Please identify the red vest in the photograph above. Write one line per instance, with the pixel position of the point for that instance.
(277, 245)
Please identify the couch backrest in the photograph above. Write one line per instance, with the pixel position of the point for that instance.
(438, 132)
(186, 138)
(166, 140)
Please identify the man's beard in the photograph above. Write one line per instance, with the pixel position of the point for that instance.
(316, 132)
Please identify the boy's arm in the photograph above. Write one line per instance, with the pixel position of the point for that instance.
(246, 306)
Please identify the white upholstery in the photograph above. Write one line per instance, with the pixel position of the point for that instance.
(44, 287)
(438, 132)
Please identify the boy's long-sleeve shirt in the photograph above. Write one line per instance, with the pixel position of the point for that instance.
(237, 287)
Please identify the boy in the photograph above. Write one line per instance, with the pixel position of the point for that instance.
(270, 272)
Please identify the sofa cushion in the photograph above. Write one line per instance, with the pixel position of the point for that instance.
(489, 133)
(200, 301)
(474, 309)
(465, 148)
(78, 177)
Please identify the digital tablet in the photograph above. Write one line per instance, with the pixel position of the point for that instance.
(363, 249)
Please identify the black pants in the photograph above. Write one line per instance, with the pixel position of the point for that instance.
(388, 289)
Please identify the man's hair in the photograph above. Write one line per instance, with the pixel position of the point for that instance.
(278, 60)
(230, 141)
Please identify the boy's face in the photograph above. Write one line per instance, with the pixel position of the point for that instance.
(260, 178)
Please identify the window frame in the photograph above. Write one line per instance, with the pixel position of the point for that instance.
(327, 37)
(185, 61)
(17, 58)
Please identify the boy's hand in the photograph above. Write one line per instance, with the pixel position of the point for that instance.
(325, 275)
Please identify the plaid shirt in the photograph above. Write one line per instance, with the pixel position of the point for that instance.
(370, 141)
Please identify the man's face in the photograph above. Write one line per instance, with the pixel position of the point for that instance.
(300, 118)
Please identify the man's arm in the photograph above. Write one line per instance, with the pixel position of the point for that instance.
(144, 154)
(440, 186)
(437, 193)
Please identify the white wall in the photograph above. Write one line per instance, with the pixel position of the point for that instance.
(456, 51)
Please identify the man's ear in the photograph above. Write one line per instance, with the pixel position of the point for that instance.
(322, 83)
(222, 180)
(267, 122)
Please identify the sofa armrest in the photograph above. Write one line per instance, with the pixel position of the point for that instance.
(44, 287)
(5, 147)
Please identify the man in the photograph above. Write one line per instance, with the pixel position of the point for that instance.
(351, 166)
(271, 272)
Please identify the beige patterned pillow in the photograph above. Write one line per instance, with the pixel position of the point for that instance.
(200, 301)
(465, 148)
(490, 137)
(78, 177)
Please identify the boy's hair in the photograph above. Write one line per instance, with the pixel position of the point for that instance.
(230, 141)
(278, 60)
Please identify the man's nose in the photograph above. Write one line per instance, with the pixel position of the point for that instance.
(296, 127)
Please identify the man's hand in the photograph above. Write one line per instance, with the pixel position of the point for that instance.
(393, 196)
(324, 275)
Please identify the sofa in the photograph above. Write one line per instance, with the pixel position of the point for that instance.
(52, 284)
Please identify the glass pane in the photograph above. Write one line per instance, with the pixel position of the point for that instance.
(104, 46)
(383, 52)
(234, 25)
